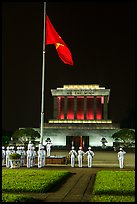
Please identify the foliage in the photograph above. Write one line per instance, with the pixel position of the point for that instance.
(16, 198)
(31, 181)
(127, 136)
(113, 198)
(15, 156)
(25, 134)
(5, 140)
(113, 186)
(6, 136)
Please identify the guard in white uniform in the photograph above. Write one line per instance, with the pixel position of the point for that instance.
(29, 158)
(48, 148)
(30, 145)
(73, 155)
(90, 155)
(121, 157)
(41, 156)
(23, 154)
(33, 155)
(3, 155)
(80, 156)
(8, 152)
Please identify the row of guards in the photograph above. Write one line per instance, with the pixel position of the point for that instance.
(90, 154)
(79, 155)
(30, 155)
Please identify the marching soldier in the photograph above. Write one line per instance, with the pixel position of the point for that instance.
(90, 155)
(80, 156)
(73, 155)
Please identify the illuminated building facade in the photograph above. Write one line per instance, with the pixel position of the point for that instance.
(80, 117)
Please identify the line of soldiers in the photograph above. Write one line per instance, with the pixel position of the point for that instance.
(30, 155)
(73, 155)
(90, 154)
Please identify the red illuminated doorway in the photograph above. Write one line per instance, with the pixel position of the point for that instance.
(77, 141)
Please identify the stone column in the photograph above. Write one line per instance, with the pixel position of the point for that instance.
(85, 107)
(95, 107)
(105, 108)
(75, 107)
(65, 107)
(55, 107)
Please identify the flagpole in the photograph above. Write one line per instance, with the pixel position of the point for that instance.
(43, 76)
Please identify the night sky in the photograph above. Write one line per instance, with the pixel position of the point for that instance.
(101, 38)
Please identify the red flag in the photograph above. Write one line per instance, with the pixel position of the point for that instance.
(52, 37)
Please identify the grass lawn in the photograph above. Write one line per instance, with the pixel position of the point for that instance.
(114, 186)
(20, 181)
(6, 197)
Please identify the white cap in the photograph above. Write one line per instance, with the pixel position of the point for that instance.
(80, 147)
(3, 147)
(73, 147)
(89, 147)
(120, 148)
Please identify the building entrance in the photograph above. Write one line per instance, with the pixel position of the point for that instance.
(77, 141)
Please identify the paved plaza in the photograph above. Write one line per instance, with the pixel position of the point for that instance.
(101, 158)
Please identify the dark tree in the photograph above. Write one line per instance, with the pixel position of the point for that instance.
(26, 134)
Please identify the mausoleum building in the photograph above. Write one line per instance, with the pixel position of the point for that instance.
(80, 117)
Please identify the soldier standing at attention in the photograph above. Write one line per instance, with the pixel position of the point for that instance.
(41, 156)
(80, 156)
(73, 155)
(23, 154)
(48, 147)
(90, 156)
(33, 156)
(30, 157)
(8, 152)
(3, 155)
(121, 157)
